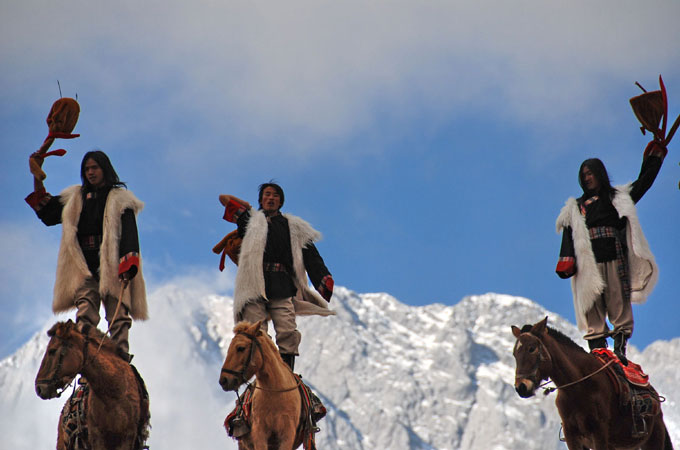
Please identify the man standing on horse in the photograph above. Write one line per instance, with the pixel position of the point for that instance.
(277, 254)
(604, 250)
(99, 253)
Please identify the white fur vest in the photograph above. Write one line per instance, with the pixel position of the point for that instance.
(71, 266)
(587, 283)
(249, 284)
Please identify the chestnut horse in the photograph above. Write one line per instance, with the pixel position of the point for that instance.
(590, 409)
(276, 402)
(117, 407)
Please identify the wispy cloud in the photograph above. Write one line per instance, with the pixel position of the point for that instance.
(303, 73)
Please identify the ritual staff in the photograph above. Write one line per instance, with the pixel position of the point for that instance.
(604, 250)
(99, 253)
(277, 254)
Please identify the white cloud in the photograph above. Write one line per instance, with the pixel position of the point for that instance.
(304, 72)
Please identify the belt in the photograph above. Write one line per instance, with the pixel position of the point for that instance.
(275, 267)
(90, 242)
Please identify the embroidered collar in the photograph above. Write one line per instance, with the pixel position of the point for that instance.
(587, 202)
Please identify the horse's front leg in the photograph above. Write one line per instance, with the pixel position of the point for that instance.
(572, 437)
(287, 440)
(259, 435)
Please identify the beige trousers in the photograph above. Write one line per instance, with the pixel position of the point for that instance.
(88, 301)
(612, 304)
(282, 314)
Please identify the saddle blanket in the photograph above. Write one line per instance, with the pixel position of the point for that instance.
(633, 372)
(239, 420)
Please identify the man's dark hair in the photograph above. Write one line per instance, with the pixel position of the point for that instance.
(597, 168)
(264, 186)
(110, 176)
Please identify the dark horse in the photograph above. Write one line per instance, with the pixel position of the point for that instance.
(117, 406)
(591, 411)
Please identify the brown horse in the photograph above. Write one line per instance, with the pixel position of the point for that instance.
(276, 402)
(591, 411)
(117, 407)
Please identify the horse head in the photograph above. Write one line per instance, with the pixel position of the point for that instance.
(63, 360)
(532, 358)
(244, 356)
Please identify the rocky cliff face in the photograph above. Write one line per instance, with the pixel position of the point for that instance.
(392, 376)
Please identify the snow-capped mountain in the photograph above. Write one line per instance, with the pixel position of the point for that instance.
(392, 376)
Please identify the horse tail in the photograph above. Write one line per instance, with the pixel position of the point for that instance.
(667, 445)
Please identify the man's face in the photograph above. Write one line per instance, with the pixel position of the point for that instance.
(590, 180)
(271, 202)
(94, 173)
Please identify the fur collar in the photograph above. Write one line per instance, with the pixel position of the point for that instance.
(71, 266)
(587, 283)
(249, 284)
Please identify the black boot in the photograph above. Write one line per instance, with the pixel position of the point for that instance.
(597, 343)
(289, 359)
(620, 347)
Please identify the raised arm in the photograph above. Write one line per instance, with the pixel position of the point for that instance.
(47, 207)
(651, 164)
(226, 198)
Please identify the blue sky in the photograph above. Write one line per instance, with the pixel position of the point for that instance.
(433, 143)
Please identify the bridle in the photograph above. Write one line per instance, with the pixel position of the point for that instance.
(242, 373)
(54, 382)
(543, 355)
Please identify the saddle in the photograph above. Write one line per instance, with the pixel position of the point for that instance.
(633, 388)
(238, 421)
(632, 372)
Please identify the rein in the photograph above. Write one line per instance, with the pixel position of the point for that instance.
(115, 313)
(547, 391)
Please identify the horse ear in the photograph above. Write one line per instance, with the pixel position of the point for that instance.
(540, 327)
(254, 328)
(52, 330)
(515, 331)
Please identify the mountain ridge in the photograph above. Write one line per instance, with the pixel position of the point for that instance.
(391, 375)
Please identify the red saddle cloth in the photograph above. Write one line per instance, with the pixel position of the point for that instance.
(633, 372)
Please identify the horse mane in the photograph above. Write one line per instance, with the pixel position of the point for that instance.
(89, 331)
(564, 339)
(242, 327)
(558, 336)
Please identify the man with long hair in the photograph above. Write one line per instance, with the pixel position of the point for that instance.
(99, 259)
(605, 252)
(277, 254)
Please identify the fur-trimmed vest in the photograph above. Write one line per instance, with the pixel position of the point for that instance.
(249, 284)
(587, 283)
(71, 266)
